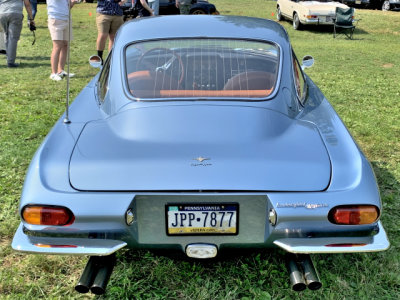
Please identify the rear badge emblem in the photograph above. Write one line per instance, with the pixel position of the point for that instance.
(201, 162)
(201, 159)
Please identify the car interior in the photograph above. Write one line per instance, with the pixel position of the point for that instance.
(201, 71)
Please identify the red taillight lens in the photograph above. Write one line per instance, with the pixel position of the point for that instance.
(346, 245)
(47, 215)
(354, 214)
(55, 246)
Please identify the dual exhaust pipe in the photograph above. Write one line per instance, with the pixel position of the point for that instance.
(96, 274)
(99, 268)
(302, 272)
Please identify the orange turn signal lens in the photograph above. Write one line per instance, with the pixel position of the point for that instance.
(354, 214)
(47, 215)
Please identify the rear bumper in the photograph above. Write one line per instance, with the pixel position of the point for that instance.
(319, 21)
(378, 242)
(58, 245)
(101, 247)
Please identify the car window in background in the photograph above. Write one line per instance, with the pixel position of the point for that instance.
(196, 68)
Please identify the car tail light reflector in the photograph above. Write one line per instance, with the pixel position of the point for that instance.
(47, 215)
(354, 214)
(55, 246)
(311, 16)
(346, 245)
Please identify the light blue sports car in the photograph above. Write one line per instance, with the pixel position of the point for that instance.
(200, 134)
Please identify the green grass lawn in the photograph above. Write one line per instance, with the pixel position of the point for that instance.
(361, 78)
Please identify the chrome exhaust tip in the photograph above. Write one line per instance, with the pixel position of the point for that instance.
(295, 274)
(302, 273)
(103, 275)
(310, 273)
(96, 274)
(87, 277)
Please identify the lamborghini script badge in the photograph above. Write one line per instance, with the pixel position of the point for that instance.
(201, 162)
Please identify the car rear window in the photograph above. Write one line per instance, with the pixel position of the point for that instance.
(202, 68)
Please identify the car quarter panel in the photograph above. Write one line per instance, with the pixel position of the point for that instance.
(349, 164)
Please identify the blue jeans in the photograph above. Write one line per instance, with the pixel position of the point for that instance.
(34, 7)
(155, 5)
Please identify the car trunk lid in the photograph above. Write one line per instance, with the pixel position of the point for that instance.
(200, 147)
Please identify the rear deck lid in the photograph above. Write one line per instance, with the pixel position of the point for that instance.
(200, 147)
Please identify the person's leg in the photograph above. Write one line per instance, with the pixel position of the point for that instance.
(2, 37)
(63, 56)
(156, 7)
(110, 41)
(12, 36)
(34, 7)
(115, 24)
(56, 28)
(55, 55)
(103, 23)
(101, 40)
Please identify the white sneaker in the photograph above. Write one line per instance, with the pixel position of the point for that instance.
(63, 74)
(55, 77)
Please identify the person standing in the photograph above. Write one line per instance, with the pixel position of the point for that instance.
(155, 6)
(184, 6)
(60, 32)
(11, 17)
(109, 18)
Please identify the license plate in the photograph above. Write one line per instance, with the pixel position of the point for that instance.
(358, 1)
(197, 219)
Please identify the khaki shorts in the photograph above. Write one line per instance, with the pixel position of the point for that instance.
(108, 24)
(59, 29)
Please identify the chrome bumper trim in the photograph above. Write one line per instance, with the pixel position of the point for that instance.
(69, 246)
(374, 243)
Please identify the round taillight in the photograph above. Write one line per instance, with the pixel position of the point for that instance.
(354, 214)
(47, 215)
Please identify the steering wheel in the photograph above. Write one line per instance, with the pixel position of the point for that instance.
(142, 64)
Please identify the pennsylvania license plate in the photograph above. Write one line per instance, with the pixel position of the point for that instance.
(195, 219)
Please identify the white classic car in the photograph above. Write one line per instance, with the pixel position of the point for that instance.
(303, 12)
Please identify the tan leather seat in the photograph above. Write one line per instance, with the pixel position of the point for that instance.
(254, 80)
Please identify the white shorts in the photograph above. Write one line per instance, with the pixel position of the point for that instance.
(59, 29)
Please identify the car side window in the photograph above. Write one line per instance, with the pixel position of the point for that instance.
(102, 87)
(299, 80)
